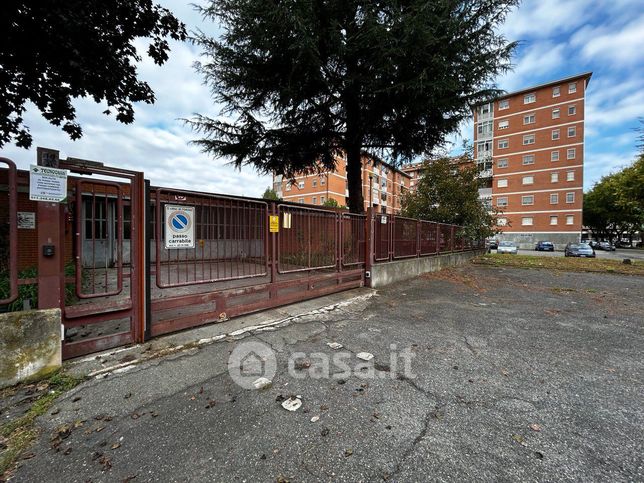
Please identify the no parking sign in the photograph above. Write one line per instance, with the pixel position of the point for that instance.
(179, 226)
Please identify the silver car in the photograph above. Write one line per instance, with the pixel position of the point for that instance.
(507, 247)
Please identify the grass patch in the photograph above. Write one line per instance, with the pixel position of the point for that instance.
(568, 264)
(17, 435)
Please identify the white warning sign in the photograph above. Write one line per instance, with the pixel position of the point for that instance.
(47, 184)
(179, 226)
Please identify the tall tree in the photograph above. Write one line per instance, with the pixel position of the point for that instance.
(56, 51)
(270, 194)
(448, 192)
(302, 81)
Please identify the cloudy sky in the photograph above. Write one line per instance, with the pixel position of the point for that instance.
(559, 38)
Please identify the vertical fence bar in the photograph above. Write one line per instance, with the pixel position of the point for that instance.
(12, 261)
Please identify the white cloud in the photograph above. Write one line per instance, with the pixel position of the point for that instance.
(619, 45)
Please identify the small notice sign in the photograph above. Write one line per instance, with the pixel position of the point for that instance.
(47, 184)
(274, 223)
(26, 220)
(179, 226)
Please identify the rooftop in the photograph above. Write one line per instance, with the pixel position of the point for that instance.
(584, 75)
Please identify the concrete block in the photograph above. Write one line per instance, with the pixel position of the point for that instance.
(30, 345)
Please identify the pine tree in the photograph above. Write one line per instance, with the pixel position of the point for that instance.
(300, 81)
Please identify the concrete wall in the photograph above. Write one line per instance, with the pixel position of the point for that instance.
(390, 272)
(527, 241)
(30, 345)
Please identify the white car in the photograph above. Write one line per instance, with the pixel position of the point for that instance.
(507, 247)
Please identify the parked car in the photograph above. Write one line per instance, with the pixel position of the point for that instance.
(544, 246)
(592, 243)
(507, 247)
(579, 250)
(493, 244)
(607, 246)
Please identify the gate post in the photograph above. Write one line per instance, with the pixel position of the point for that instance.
(51, 223)
(369, 249)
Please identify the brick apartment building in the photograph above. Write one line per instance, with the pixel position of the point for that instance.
(415, 170)
(386, 183)
(529, 148)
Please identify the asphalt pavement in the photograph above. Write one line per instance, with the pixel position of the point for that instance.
(513, 375)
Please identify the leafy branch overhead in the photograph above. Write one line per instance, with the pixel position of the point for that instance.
(54, 52)
(299, 82)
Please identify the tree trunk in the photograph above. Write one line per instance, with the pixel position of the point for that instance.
(354, 180)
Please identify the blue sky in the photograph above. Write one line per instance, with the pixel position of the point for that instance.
(558, 38)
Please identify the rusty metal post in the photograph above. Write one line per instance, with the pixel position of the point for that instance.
(51, 269)
(12, 192)
(369, 248)
(451, 237)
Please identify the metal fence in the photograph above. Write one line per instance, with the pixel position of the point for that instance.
(397, 237)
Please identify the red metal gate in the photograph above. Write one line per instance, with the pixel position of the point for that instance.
(238, 265)
(104, 297)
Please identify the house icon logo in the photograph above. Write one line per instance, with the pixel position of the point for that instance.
(250, 361)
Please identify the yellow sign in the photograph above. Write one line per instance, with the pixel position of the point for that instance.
(274, 223)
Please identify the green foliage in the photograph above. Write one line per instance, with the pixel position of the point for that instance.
(615, 204)
(332, 203)
(53, 52)
(448, 193)
(300, 82)
(30, 291)
(270, 194)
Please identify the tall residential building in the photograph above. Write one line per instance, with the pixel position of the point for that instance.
(382, 185)
(529, 147)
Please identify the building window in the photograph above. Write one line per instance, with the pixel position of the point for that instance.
(572, 88)
(529, 118)
(554, 155)
(527, 200)
(503, 143)
(501, 221)
(570, 219)
(314, 200)
(528, 180)
(322, 200)
(288, 186)
(553, 220)
(529, 98)
(556, 113)
(504, 104)
(528, 139)
(314, 182)
(570, 197)
(528, 159)
(502, 201)
(556, 91)
(301, 200)
(572, 110)
(502, 163)
(502, 183)
(555, 134)
(572, 131)
(570, 176)
(322, 181)
(554, 177)
(527, 221)
(571, 153)
(504, 124)
(300, 184)
(554, 198)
